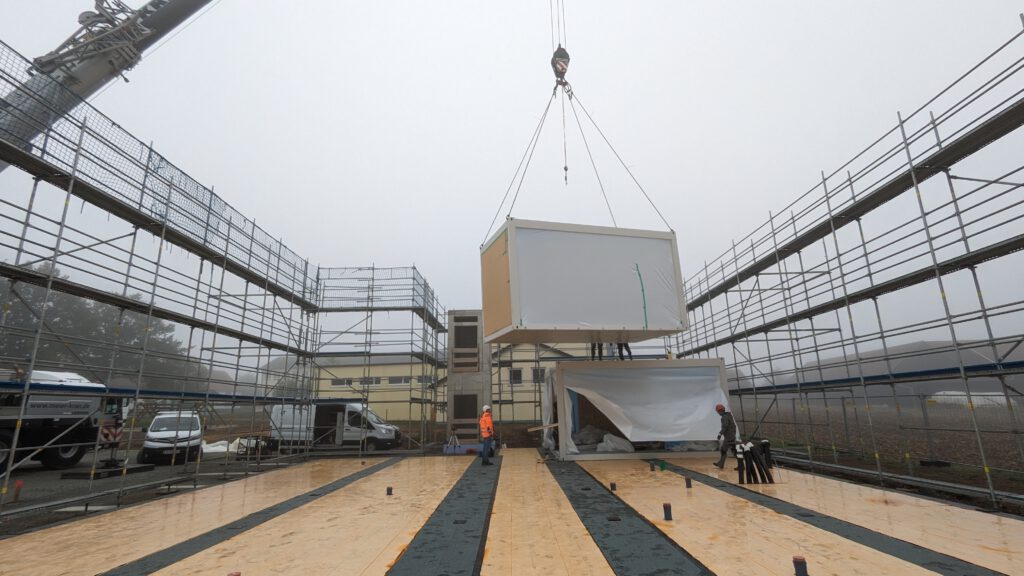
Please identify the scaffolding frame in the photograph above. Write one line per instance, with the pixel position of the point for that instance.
(388, 316)
(196, 307)
(877, 296)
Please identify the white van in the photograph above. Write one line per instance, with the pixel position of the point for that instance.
(332, 423)
(176, 436)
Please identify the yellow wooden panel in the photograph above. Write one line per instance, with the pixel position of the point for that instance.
(497, 290)
(995, 542)
(534, 530)
(355, 530)
(731, 535)
(99, 543)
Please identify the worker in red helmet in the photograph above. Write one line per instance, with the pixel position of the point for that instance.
(726, 435)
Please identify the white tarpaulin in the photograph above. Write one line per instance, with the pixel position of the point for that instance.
(547, 412)
(653, 403)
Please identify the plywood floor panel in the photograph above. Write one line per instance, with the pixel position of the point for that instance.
(99, 543)
(733, 536)
(990, 540)
(355, 530)
(534, 529)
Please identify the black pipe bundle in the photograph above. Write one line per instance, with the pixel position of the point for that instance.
(766, 451)
(753, 464)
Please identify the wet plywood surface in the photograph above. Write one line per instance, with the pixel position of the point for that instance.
(733, 536)
(534, 529)
(100, 543)
(990, 540)
(355, 530)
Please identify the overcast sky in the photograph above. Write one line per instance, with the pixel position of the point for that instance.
(386, 132)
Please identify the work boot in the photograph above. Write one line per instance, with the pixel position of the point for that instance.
(718, 465)
(487, 463)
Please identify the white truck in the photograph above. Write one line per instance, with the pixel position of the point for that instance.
(80, 419)
(332, 423)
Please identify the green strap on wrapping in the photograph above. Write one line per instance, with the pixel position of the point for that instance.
(643, 295)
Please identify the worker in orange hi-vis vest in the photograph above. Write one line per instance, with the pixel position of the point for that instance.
(487, 433)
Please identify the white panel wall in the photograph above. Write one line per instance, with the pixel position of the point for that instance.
(574, 280)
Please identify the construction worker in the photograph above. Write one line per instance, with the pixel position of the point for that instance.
(487, 433)
(625, 345)
(726, 435)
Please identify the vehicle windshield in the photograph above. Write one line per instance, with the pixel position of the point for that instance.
(174, 424)
(373, 418)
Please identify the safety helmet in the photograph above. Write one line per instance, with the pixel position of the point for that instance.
(487, 408)
(719, 408)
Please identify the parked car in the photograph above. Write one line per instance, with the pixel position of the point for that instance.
(174, 436)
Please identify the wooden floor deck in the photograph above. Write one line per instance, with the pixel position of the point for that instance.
(334, 517)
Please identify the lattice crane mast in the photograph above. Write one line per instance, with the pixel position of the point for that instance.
(109, 41)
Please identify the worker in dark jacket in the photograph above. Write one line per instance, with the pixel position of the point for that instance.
(726, 435)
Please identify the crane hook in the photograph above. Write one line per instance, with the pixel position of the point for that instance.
(560, 64)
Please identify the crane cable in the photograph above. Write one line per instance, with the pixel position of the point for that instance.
(551, 13)
(560, 63)
(565, 147)
(592, 163)
(557, 10)
(622, 162)
(520, 172)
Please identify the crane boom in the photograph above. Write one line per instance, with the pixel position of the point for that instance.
(108, 42)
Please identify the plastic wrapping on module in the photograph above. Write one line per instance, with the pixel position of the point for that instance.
(654, 404)
(550, 282)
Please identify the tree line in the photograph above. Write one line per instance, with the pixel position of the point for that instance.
(93, 339)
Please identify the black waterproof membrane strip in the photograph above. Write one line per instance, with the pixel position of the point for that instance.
(452, 540)
(631, 545)
(923, 557)
(174, 554)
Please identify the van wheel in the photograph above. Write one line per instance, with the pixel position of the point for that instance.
(141, 458)
(60, 458)
(371, 446)
(5, 450)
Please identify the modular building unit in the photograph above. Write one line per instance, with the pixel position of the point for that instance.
(551, 282)
(664, 406)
